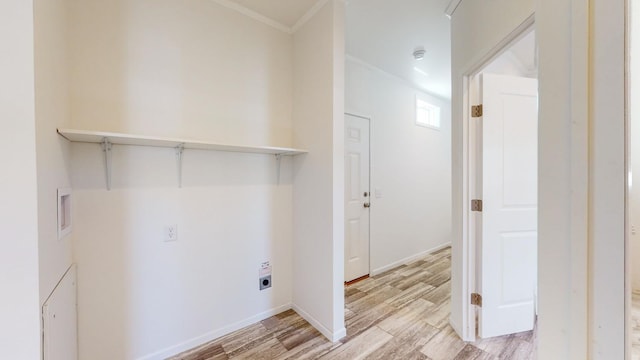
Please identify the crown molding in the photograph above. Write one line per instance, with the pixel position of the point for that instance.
(254, 15)
(269, 21)
(308, 15)
(451, 8)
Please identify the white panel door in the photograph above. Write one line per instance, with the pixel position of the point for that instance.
(357, 197)
(508, 245)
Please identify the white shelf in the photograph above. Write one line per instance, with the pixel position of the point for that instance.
(108, 139)
(142, 140)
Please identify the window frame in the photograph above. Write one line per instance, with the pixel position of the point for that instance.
(433, 112)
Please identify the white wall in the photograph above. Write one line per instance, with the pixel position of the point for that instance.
(139, 295)
(607, 179)
(410, 164)
(188, 69)
(19, 305)
(476, 28)
(215, 74)
(318, 196)
(52, 111)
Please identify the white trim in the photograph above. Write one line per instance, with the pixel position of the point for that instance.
(580, 181)
(451, 8)
(254, 15)
(431, 108)
(490, 54)
(371, 182)
(454, 326)
(271, 22)
(468, 238)
(212, 335)
(394, 77)
(605, 141)
(408, 260)
(308, 15)
(355, 114)
(64, 212)
(332, 336)
(471, 222)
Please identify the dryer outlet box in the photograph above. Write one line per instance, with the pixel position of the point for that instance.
(265, 282)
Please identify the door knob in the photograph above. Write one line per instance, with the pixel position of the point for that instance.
(367, 205)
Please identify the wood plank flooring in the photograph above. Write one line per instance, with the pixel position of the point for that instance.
(635, 325)
(400, 314)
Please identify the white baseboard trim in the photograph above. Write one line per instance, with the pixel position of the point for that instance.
(338, 335)
(332, 336)
(407, 260)
(458, 331)
(212, 335)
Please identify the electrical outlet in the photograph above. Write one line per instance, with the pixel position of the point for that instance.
(171, 233)
(633, 229)
(265, 275)
(265, 282)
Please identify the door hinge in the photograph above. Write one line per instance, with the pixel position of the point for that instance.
(476, 111)
(476, 299)
(476, 205)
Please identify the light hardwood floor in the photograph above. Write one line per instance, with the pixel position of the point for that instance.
(635, 326)
(400, 314)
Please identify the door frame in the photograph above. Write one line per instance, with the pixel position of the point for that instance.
(369, 119)
(630, 19)
(469, 161)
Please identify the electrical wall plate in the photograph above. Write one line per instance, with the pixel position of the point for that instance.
(265, 282)
(64, 212)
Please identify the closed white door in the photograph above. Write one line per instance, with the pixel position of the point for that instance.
(508, 247)
(356, 197)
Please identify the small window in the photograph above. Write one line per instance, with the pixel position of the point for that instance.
(427, 115)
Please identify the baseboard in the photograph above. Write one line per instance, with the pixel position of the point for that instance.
(210, 336)
(409, 259)
(332, 336)
(458, 331)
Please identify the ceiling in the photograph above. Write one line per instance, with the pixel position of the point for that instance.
(286, 12)
(385, 33)
(525, 53)
(518, 60)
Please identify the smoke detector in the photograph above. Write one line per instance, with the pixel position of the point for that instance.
(418, 53)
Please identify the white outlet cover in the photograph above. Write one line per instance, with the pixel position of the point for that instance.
(171, 233)
(265, 269)
(378, 193)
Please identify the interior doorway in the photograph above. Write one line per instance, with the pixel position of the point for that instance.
(502, 126)
(357, 197)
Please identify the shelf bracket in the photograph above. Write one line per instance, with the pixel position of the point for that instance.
(278, 161)
(179, 151)
(106, 148)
